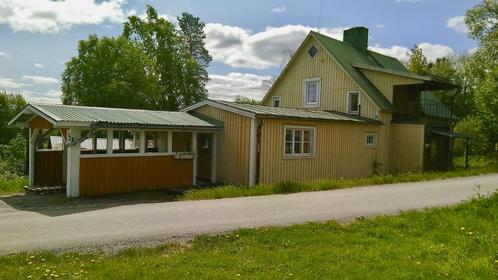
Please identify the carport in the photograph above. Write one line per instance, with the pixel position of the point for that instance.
(96, 151)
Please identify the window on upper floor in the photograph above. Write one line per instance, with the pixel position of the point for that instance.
(312, 51)
(353, 103)
(311, 93)
(275, 101)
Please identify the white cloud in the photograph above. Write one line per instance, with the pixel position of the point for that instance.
(226, 87)
(431, 51)
(4, 54)
(39, 65)
(379, 26)
(7, 83)
(240, 47)
(40, 80)
(396, 51)
(458, 24)
(51, 96)
(279, 10)
(47, 16)
(472, 50)
(434, 51)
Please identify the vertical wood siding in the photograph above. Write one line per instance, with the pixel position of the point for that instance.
(233, 145)
(385, 82)
(39, 122)
(335, 83)
(407, 147)
(48, 168)
(106, 175)
(385, 148)
(340, 152)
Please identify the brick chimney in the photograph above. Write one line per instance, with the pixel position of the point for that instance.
(358, 37)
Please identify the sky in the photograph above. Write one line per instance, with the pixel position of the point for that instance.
(250, 41)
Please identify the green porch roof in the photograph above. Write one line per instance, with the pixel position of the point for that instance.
(66, 115)
(433, 107)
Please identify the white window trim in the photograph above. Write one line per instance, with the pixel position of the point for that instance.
(318, 93)
(274, 98)
(313, 142)
(348, 102)
(376, 139)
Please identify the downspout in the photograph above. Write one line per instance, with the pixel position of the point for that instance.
(258, 150)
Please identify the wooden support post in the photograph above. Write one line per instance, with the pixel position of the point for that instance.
(64, 158)
(110, 141)
(194, 152)
(94, 142)
(142, 141)
(170, 141)
(73, 163)
(214, 154)
(33, 134)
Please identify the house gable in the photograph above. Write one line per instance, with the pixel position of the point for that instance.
(385, 82)
(335, 82)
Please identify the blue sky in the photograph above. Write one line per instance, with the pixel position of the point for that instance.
(250, 40)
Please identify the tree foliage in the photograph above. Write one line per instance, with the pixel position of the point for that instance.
(13, 156)
(10, 105)
(246, 100)
(481, 71)
(109, 72)
(152, 65)
(417, 63)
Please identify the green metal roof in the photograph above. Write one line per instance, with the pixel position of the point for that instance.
(282, 112)
(347, 55)
(433, 107)
(111, 117)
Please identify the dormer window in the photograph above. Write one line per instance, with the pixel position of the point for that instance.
(311, 93)
(312, 51)
(353, 103)
(275, 101)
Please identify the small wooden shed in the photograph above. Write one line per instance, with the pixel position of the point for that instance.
(96, 151)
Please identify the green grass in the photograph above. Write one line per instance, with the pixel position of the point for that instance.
(292, 187)
(12, 185)
(460, 242)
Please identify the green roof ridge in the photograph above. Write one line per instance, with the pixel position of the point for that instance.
(346, 54)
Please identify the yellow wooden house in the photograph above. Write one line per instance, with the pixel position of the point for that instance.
(337, 110)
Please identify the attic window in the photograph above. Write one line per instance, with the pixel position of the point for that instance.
(312, 51)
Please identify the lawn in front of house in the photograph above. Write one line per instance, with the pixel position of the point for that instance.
(459, 242)
(293, 187)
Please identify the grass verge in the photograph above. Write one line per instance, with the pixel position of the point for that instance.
(292, 187)
(12, 185)
(459, 242)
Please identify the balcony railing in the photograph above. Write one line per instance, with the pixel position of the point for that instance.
(424, 111)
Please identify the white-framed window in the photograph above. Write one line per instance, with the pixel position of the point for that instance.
(275, 101)
(371, 139)
(311, 92)
(353, 104)
(299, 141)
